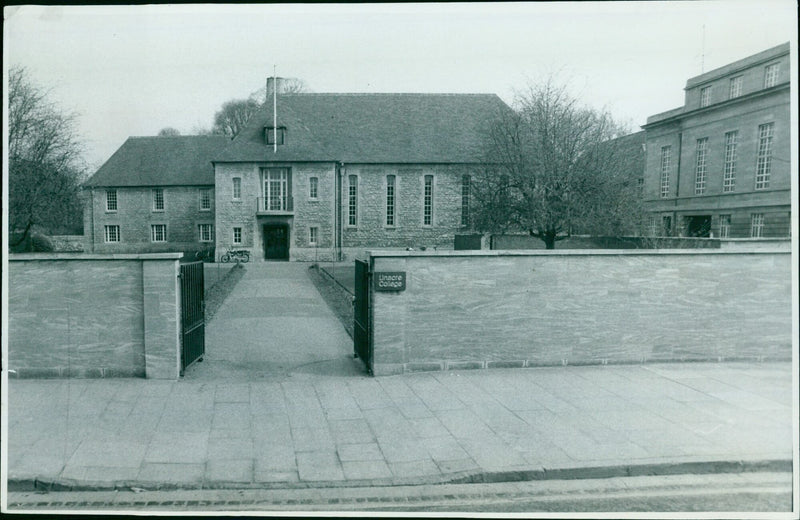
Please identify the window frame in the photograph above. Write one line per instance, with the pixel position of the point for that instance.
(729, 162)
(210, 228)
(117, 234)
(313, 235)
(724, 225)
(109, 209)
(766, 135)
(313, 188)
(237, 188)
(427, 200)
(279, 178)
(701, 166)
(771, 73)
(276, 131)
(205, 195)
(705, 96)
(466, 192)
(756, 225)
(735, 86)
(666, 159)
(390, 216)
(352, 201)
(153, 233)
(235, 230)
(158, 196)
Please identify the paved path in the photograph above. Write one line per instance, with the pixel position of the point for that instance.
(274, 325)
(324, 430)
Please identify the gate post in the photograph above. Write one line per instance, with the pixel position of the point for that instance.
(161, 294)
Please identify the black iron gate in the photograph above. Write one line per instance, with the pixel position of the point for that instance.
(193, 323)
(362, 337)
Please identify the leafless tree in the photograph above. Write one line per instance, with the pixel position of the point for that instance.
(45, 162)
(555, 168)
(168, 132)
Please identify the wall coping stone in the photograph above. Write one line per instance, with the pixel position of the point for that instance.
(571, 252)
(93, 256)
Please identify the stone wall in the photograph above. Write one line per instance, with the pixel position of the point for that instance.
(476, 309)
(67, 243)
(81, 315)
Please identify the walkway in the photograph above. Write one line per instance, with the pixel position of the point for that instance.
(274, 325)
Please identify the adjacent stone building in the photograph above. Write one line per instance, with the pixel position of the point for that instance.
(719, 165)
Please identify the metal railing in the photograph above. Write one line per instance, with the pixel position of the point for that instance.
(275, 204)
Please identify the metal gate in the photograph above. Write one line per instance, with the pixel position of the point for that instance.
(193, 323)
(362, 337)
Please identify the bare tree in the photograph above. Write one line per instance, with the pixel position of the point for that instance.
(555, 168)
(168, 132)
(45, 162)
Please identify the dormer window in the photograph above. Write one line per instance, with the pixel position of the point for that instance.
(275, 135)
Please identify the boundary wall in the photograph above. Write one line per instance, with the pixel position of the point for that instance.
(483, 309)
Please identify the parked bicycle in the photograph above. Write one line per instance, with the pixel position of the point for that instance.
(235, 255)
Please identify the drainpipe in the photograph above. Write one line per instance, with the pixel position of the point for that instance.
(338, 217)
(675, 224)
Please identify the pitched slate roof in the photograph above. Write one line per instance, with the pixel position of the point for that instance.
(161, 161)
(372, 128)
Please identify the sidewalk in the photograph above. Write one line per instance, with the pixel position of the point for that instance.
(314, 430)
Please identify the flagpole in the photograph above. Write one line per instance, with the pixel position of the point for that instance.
(274, 110)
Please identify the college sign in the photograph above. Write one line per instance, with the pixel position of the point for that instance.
(390, 281)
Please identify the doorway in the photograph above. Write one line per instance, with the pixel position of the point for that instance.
(276, 242)
(698, 226)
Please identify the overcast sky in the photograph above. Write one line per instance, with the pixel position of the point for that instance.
(132, 70)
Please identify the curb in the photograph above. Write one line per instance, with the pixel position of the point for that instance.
(577, 473)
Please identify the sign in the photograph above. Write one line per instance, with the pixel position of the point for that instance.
(394, 281)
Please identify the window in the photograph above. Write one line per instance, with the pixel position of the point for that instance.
(112, 234)
(158, 233)
(313, 232)
(427, 210)
(390, 188)
(158, 199)
(705, 96)
(652, 228)
(272, 135)
(735, 87)
(729, 172)
(352, 204)
(640, 186)
(771, 75)
(465, 192)
(764, 158)
(666, 151)
(205, 199)
(724, 226)
(111, 200)
(313, 185)
(206, 232)
(237, 235)
(700, 166)
(757, 225)
(276, 189)
(237, 188)
(666, 225)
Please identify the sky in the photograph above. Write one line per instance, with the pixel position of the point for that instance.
(133, 70)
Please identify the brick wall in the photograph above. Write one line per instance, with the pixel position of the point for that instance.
(479, 309)
(93, 315)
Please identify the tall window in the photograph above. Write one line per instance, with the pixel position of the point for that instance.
(237, 188)
(313, 232)
(764, 158)
(666, 152)
(735, 87)
(666, 225)
(158, 233)
(771, 75)
(111, 200)
(724, 226)
(158, 199)
(465, 192)
(352, 203)
(652, 227)
(205, 199)
(390, 189)
(112, 233)
(237, 235)
(206, 231)
(705, 96)
(700, 166)
(276, 189)
(757, 225)
(427, 211)
(729, 171)
(313, 183)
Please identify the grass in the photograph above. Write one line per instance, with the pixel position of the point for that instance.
(339, 300)
(216, 294)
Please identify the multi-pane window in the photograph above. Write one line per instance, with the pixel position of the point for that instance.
(700, 166)
(757, 225)
(427, 210)
(205, 199)
(390, 193)
(237, 235)
(465, 193)
(352, 202)
(705, 96)
(771, 75)
(764, 157)
(724, 226)
(729, 171)
(276, 189)
(313, 232)
(666, 153)
(206, 231)
(158, 199)
(111, 200)
(237, 188)
(666, 225)
(735, 87)
(652, 228)
(313, 186)
(273, 135)
(112, 233)
(158, 232)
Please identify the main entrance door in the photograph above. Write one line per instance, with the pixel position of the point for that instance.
(276, 242)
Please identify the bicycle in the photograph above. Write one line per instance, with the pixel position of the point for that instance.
(236, 255)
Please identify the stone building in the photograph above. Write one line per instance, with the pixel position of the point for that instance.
(719, 165)
(330, 177)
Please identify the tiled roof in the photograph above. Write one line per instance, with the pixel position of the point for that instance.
(161, 161)
(372, 128)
